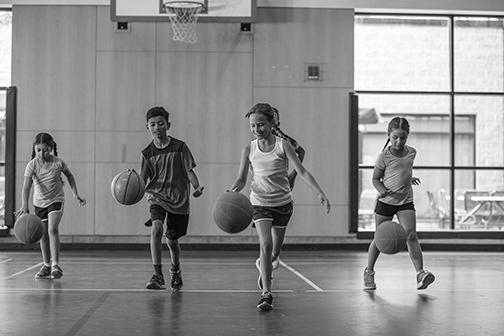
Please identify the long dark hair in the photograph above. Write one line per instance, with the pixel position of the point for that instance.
(397, 123)
(46, 139)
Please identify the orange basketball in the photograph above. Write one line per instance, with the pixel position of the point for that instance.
(233, 212)
(127, 187)
(390, 237)
(28, 229)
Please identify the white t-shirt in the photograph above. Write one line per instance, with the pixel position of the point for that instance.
(47, 183)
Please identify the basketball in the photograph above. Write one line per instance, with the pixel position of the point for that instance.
(232, 212)
(390, 237)
(127, 187)
(28, 229)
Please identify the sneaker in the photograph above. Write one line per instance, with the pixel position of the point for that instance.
(44, 273)
(156, 282)
(176, 281)
(266, 302)
(369, 283)
(424, 279)
(148, 223)
(56, 272)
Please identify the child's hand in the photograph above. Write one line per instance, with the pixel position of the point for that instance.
(415, 181)
(325, 201)
(198, 192)
(386, 192)
(21, 212)
(80, 200)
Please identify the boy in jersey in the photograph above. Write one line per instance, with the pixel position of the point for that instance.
(167, 170)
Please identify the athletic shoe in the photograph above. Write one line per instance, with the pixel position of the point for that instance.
(176, 281)
(156, 282)
(266, 302)
(56, 272)
(148, 223)
(424, 279)
(369, 283)
(44, 273)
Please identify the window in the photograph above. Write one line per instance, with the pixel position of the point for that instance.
(445, 74)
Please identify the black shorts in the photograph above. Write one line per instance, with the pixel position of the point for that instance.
(176, 224)
(43, 213)
(388, 210)
(279, 215)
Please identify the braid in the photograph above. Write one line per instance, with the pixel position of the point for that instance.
(279, 133)
(55, 149)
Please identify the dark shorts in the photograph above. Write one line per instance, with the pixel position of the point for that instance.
(279, 215)
(43, 213)
(176, 224)
(388, 210)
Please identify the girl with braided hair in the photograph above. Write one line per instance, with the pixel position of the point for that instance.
(268, 157)
(297, 148)
(44, 173)
(393, 178)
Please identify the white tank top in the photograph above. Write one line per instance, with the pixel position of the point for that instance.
(270, 186)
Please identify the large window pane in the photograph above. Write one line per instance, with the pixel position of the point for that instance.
(479, 130)
(479, 199)
(429, 120)
(479, 54)
(408, 53)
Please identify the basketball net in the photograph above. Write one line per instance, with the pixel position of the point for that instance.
(184, 16)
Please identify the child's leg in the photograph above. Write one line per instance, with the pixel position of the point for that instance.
(44, 245)
(278, 234)
(173, 245)
(54, 219)
(407, 218)
(156, 242)
(266, 246)
(373, 252)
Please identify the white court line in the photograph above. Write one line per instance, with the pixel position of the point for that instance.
(308, 281)
(4, 261)
(138, 290)
(23, 271)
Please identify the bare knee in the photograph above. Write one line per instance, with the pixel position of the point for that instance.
(412, 236)
(267, 247)
(53, 230)
(157, 230)
(172, 243)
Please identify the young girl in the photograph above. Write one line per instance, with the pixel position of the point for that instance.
(268, 157)
(44, 172)
(280, 232)
(392, 177)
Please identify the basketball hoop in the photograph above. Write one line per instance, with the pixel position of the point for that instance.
(183, 16)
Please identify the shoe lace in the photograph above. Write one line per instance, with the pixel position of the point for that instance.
(369, 276)
(176, 277)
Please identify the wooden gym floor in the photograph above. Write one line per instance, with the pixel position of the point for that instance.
(317, 293)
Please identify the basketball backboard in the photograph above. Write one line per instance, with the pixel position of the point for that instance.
(154, 11)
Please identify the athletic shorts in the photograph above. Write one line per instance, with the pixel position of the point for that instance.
(388, 210)
(279, 215)
(43, 213)
(176, 224)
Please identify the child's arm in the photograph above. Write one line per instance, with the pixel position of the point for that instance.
(73, 186)
(25, 194)
(306, 175)
(241, 180)
(378, 182)
(193, 179)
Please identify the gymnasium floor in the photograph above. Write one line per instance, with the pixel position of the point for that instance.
(317, 293)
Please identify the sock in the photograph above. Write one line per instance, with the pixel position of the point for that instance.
(158, 269)
(175, 268)
(47, 264)
(55, 263)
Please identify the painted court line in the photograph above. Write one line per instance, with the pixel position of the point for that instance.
(23, 271)
(308, 281)
(4, 261)
(139, 290)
